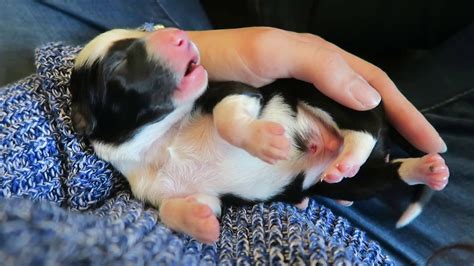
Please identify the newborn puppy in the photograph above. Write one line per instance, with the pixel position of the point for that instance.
(144, 102)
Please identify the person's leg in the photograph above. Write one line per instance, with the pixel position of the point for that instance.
(24, 25)
(362, 25)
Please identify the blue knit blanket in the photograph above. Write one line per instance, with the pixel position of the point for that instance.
(61, 204)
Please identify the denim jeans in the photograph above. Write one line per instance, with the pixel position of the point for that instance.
(440, 81)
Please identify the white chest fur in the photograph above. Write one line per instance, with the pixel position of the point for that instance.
(196, 160)
(192, 158)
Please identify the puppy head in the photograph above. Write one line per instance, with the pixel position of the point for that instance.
(123, 80)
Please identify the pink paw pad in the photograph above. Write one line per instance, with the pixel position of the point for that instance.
(434, 171)
(339, 171)
(202, 224)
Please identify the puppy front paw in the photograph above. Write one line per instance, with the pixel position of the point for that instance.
(267, 141)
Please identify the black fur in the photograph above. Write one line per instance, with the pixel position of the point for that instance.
(219, 90)
(117, 95)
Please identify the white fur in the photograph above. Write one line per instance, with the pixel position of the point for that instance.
(305, 121)
(358, 144)
(213, 202)
(410, 214)
(408, 170)
(321, 114)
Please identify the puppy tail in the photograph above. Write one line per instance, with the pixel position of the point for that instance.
(422, 196)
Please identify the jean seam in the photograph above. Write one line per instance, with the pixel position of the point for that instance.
(448, 101)
(167, 14)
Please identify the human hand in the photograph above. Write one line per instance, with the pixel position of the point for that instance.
(259, 55)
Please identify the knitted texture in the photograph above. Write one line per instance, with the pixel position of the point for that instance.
(61, 204)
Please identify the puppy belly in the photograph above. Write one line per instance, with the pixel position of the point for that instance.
(225, 169)
(318, 141)
(200, 162)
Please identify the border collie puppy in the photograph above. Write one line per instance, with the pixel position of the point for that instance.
(187, 146)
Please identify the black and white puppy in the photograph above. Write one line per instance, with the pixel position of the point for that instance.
(187, 146)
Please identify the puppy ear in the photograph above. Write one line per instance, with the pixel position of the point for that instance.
(82, 120)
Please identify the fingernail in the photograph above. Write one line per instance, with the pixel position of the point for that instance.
(444, 147)
(365, 94)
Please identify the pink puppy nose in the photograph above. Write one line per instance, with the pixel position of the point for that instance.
(172, 45)
(173, 38)
(179, 38)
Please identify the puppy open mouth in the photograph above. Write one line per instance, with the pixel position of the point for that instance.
(192, 65)
(192, 70)
(194, 76)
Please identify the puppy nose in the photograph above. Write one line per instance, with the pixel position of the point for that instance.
(169, 39)
(179, 38)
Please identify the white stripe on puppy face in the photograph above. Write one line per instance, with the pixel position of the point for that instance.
(98, 47)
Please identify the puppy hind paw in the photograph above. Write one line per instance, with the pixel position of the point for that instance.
(430, 170)
(202, 224)
(191, 217)
(337, 171)
(435, 171)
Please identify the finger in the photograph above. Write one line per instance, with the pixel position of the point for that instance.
(408, 121)
(308, 61)
(402, 114)
(331, 74)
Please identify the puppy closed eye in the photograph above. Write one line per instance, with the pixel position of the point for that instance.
(117, 65)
